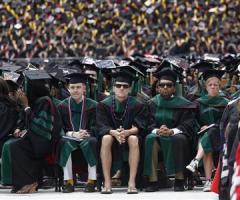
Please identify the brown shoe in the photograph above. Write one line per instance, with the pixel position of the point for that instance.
(90, 187)
(31, 188)
(68, 188)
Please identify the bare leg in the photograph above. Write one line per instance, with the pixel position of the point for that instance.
(200, 152)
(208, 165)
(106, 158)
(133, 159)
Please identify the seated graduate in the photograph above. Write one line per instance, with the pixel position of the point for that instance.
(210, 110)
(28, 153)
(78, 114)
(13, 123)
(121, 122)
(172, 132)
(8, 114)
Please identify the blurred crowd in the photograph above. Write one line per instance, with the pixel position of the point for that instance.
(98, 28)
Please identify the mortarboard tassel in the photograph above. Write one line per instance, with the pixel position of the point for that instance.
(100, 81)
(87, 89)
(95, 90)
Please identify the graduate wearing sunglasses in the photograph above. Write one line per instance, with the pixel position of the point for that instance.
(171, 132)
(121, 120)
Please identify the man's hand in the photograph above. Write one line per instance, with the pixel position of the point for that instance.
(19, 133)
(21, 96)
(164, 131)
(81, 134)
(119, 134)
(123, 134)
(203, 127)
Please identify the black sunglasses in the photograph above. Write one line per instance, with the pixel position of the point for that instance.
(125, 86)
(168, 85)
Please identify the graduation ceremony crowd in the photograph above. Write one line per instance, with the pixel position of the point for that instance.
(142, 122)
(75, 28)
(140, 94)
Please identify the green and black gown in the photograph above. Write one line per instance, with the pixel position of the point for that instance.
(6, 168)
(9, 116)
(28, 153)
(6, 154)
(210, 111)
(87, 150)
(8, 123)
(126, 114)
(176, 112)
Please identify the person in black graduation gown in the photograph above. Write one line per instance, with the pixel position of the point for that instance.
(8, 114)
(43, 132)
(121, 121)
(171, 132)
(78, 114)
(15, 119)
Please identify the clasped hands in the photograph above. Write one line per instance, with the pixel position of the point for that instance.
(120, 134)
(81, 134)
(164, 131)
(19, 133)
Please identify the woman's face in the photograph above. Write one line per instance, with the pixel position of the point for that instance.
(213, 86)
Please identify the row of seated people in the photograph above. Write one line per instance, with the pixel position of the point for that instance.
(117, 130)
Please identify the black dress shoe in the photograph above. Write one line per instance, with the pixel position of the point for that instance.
(15, 189)
(90, 187)
(165, 183)
(152, 187)
(179, 185)
(68, 188)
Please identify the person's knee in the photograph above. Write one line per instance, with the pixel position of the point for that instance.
(107, 140)
(133, 141)
(150, 136)
(180, 139)
(93, 140)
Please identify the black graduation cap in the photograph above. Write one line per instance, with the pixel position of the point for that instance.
(88, 61)
(125, 74)
(105, 64)
(152, 60)
(204, 65)
(84, 64)
(130, 69)
(175, 62)
(166, 74)
(77, 78)
(11, 76)
(57, 78)
(10, 67)
(211, 57)
(33, 75)
(139, 65)
(75, 63)
(231, 62)
(212, 73)
(58, 75)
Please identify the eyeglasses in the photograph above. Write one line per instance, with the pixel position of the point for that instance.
(168, 85)
(125, 86)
